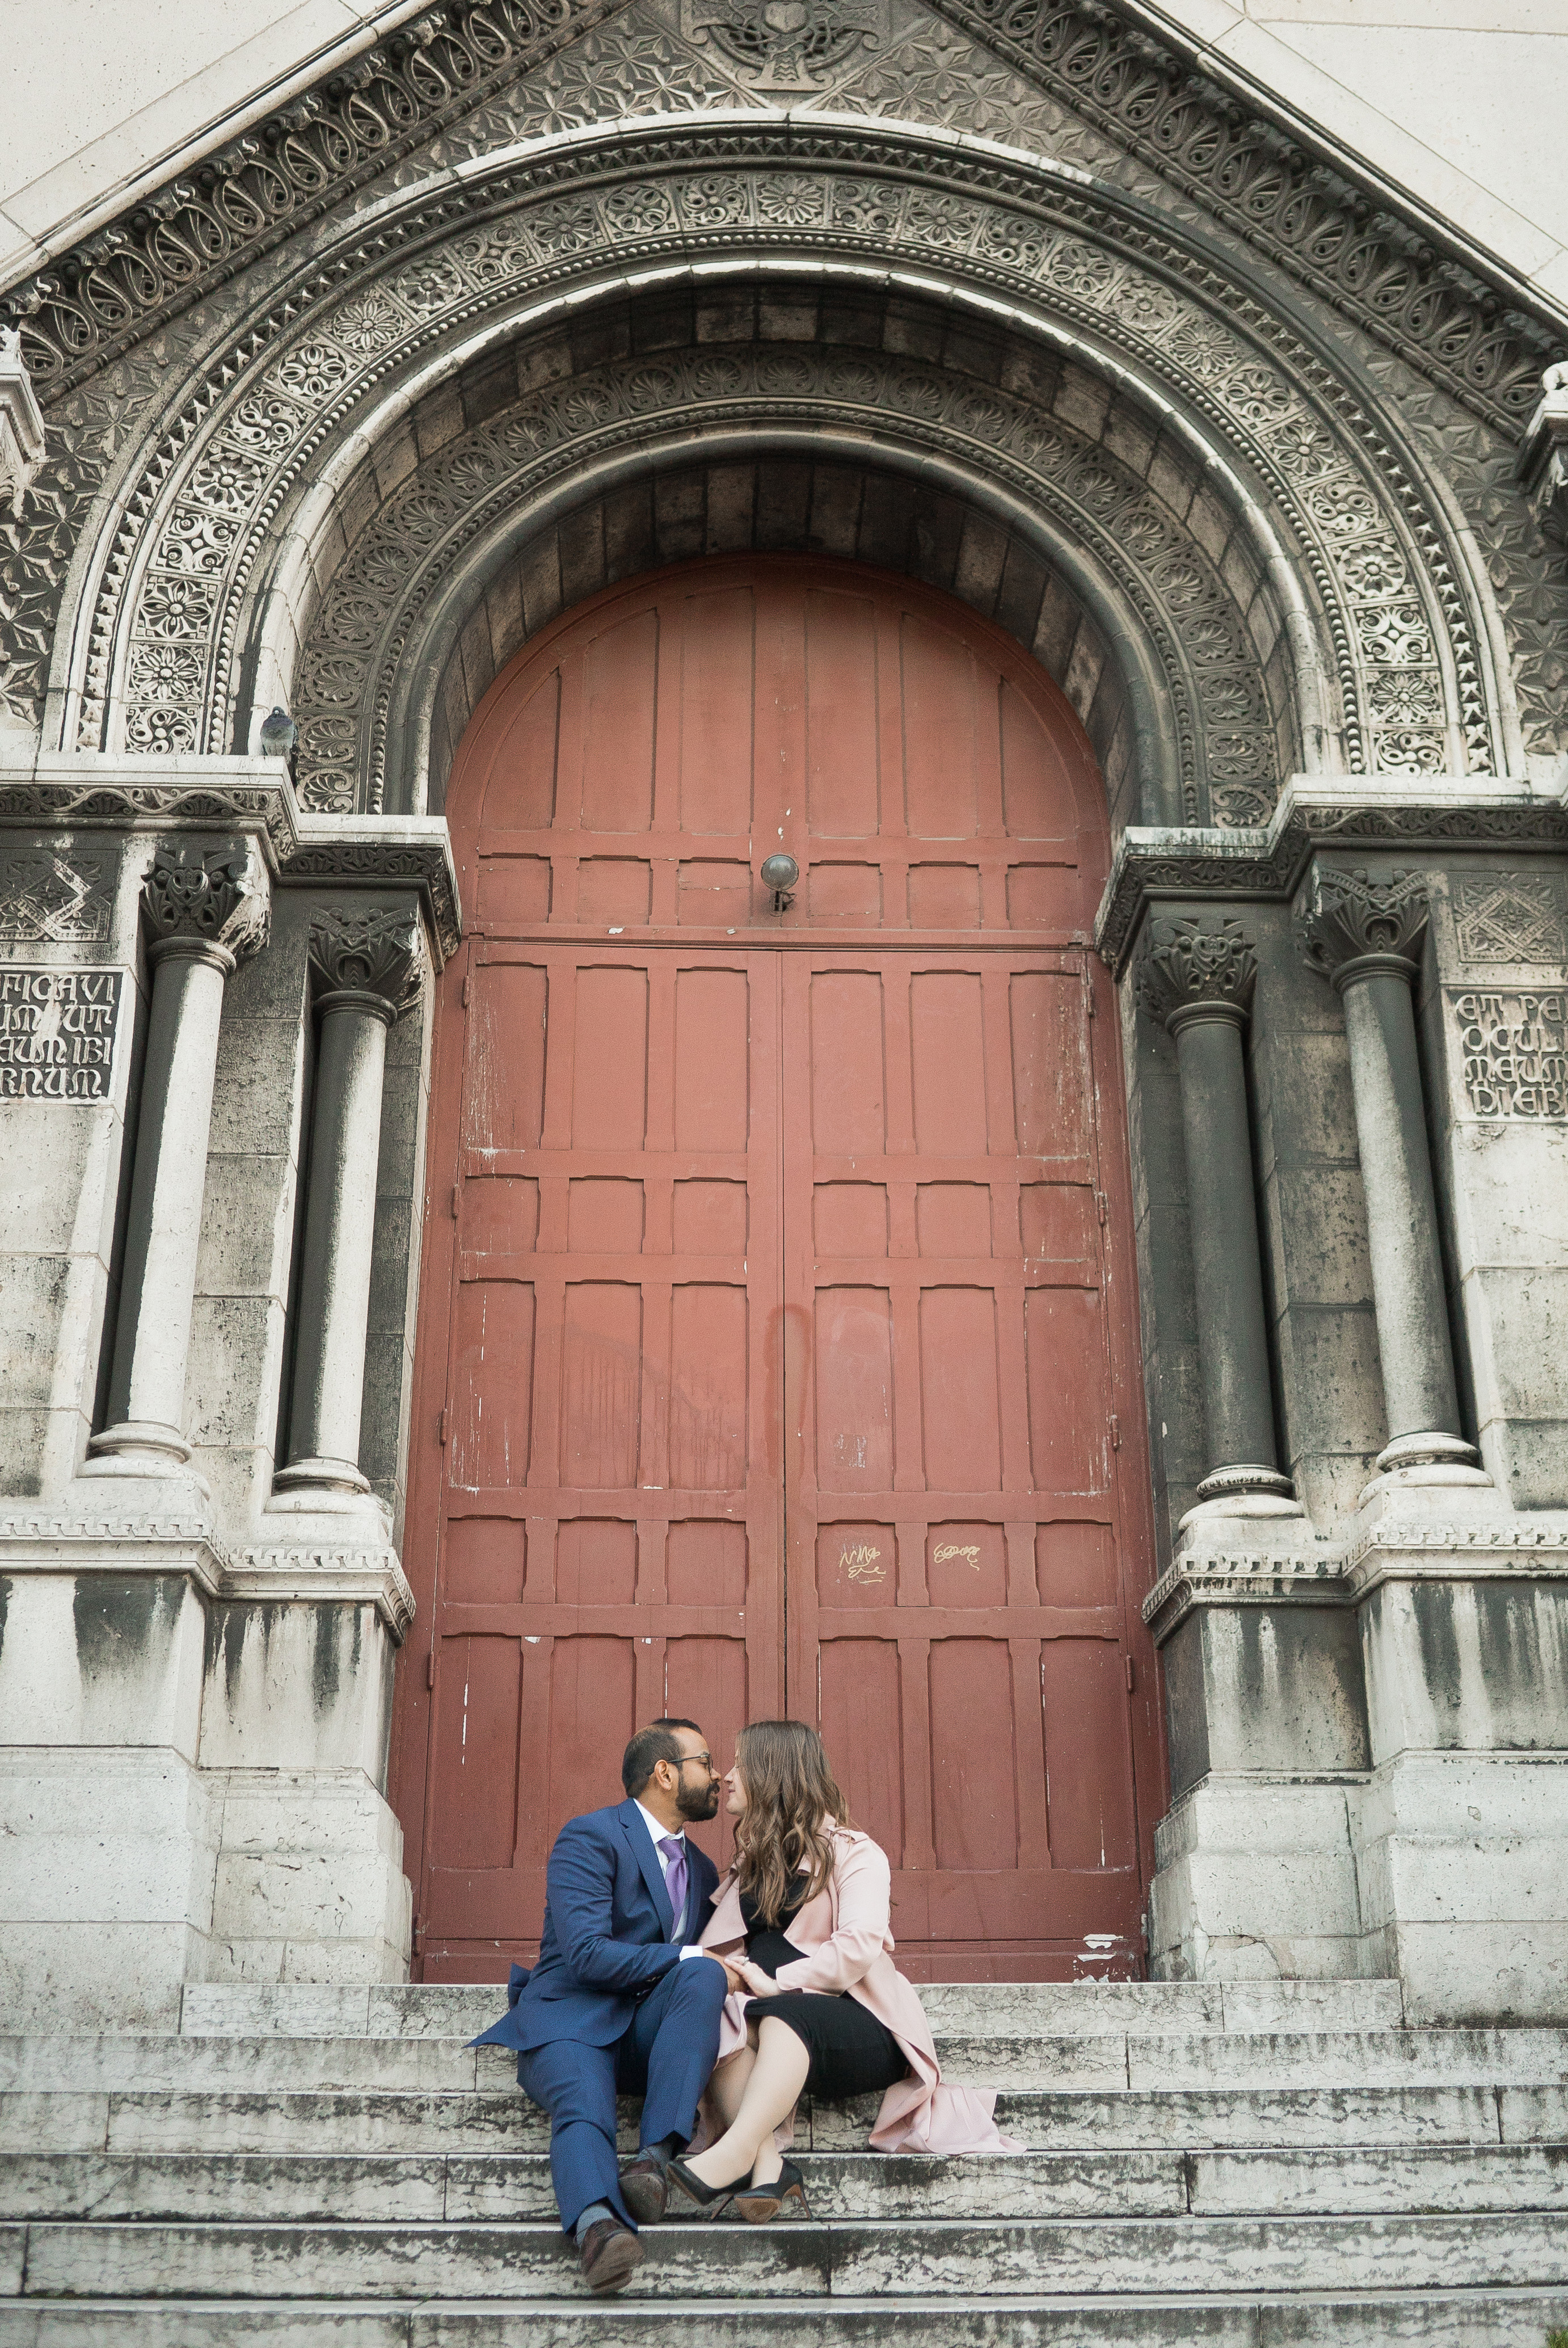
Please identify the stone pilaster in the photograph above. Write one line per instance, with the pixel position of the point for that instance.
(206, 908)
(1198, 977)
(368, 965)
(1365, 936)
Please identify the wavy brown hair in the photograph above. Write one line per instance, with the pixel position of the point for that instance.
(790, 1791)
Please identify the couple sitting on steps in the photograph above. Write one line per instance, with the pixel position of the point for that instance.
(719, 2003)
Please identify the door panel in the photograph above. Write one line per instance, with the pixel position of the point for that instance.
(777, 1325)
(611, 1524)
(961, 1374)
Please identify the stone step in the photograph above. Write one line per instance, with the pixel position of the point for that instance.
(971, 2009)
(1324, 2058)
(300, 2188)
(960, 2257)
(1382, 2318)
(370, 2121)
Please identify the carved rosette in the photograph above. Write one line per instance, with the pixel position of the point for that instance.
(199, 893)
(1349, 926)
(1197, 967)
(373, 958)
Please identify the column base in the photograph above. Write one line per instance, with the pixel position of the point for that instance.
(1244, 1490)
(332, 1490)
(1412, 1460)
(143, 1449)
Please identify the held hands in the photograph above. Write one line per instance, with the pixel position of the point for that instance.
(754, 1982)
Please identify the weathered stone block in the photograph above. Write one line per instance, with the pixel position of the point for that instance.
(101, 1659)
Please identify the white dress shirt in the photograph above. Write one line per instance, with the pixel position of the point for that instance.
(658, 1833)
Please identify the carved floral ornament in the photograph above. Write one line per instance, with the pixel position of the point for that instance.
(365, 644)
(212, 893)
(1197, 964)
(1346, 919)
(1407, 657)
(199, 230)
(373, 951)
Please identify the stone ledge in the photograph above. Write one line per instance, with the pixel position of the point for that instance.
(303, 1574)
(1315, 813)
(88, 789)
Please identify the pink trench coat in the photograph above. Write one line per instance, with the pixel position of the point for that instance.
(845, 1931)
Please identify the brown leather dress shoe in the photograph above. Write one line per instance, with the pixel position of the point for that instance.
(610, 2253)
(645, 2187)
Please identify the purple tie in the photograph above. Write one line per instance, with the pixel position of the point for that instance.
(674, 1850)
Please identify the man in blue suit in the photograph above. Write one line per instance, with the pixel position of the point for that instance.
(613, 2004)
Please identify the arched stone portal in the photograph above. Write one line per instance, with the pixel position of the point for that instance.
(778, 1351)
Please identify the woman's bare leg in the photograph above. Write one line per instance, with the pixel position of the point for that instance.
(727, 2086)
(772, 2092)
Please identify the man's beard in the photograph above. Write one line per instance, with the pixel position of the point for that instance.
(698, 1802)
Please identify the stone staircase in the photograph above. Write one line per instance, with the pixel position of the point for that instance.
(1243, 2167)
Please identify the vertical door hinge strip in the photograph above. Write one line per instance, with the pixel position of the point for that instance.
(442, 1422)
(1115, 1432)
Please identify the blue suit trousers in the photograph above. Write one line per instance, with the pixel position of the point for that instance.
(665, 2056)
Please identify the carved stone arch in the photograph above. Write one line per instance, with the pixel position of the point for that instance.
(392, 304)
(1151, 606)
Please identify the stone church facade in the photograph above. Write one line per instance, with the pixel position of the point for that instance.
(1259, 478)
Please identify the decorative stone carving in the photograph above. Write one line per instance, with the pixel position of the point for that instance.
(21, 424)
(351, 675)
(1376, 549)
(1544, 457)
(53, 896)
(1143, 92)
(1142, 870)
(1349, 921)
(1514, 1053)
(1510, 916)
(790, 45)
(1198, 964)
(57, 1032)
(217, 895)
(377, 956)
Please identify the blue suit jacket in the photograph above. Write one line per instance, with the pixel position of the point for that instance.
(606, 1941)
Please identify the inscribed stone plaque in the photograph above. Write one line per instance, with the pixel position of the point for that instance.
(57, 1031)
(1514, 1050)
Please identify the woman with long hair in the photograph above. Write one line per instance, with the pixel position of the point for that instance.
(804, 1916)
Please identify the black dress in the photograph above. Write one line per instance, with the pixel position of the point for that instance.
(852, 2054)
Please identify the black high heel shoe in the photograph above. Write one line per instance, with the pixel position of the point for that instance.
(759, 2203)
(707, 2201)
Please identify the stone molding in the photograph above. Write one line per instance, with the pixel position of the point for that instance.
(63, 1542)
(352, 680)
(83, 792)
(1497, 1549)
(1401, 277)
(1397, 274)
(246, 197)
(370, 1575)
(375, 956)
(1543, 458)
(1197, 964)
(1348, 924)
(21, 425)
(1242, 1578)
(988, 222)
(214, 894)
(1315, 813)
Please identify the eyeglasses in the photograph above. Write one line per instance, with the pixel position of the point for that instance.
(705, 1758)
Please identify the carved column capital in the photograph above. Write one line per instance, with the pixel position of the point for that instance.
(21, 425)
(207, 896)
(373, 956)
(1349, 926)
(1197, 967)
(1544, 457)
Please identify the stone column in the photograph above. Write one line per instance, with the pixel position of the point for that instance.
(207, 907)
(1365, 936)
(1198, 979)
(367, 966)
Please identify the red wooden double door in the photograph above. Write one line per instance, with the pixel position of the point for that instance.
(778, 1334)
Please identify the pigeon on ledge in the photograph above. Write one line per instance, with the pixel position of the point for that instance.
(279, 733)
